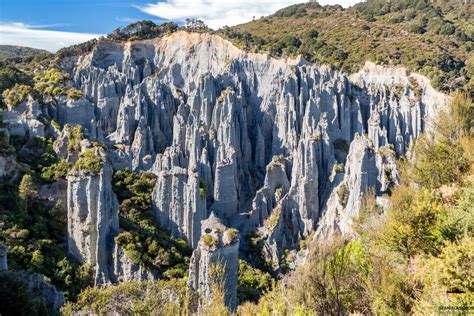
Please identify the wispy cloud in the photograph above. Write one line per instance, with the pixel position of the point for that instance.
(45, 26)
(33, 36)
(126, 20)
(217, 13)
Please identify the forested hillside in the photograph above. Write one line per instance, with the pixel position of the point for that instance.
(12, 51)
(433, 38)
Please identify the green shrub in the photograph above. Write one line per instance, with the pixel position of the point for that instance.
(202, 188)
(10, 76)
(414, 222)
(74, 136)
(231, 235)
(338, 168)
(272, 221)
(252, 283)
(144, 241)
(224, 94)
(209, 241)
(58, 170)
(51, 82)
(439, 164)
(74, 94)
(343, 194)
(89, 161)
(16, 95)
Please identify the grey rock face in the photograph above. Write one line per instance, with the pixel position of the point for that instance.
(93, 224)
(3, 257)
(219, 245)
(207, 119)
(50, 296)
(92, 220)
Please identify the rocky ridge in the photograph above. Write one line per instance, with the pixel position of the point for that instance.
(279, 147)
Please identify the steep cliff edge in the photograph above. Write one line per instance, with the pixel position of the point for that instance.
(92, 219)
(266, 144)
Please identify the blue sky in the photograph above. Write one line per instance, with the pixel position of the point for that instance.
(52, 24)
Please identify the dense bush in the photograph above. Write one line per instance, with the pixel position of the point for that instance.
(252, 283)
(132, 298)
(89, 161)
(51, 82)
(11, 76)
(144, 241)
(16, 94)
(57, 170)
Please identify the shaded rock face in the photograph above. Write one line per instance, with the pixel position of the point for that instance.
(240, 135)
(52, 298)
(218, 247)
(3, 257)
(43, 291)
(92, 220)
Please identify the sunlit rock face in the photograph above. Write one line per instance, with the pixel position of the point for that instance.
(215, 259)
(265, 144)
(92, 220)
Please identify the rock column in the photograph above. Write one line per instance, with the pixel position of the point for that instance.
(217, 250)
(93, 220)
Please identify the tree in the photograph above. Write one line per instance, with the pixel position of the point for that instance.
(438, 164)
(195, 25)
(333, 280)
(27, 187)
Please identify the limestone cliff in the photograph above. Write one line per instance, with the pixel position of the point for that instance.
(277, 146)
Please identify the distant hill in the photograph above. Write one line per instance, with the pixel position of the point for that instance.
(13, 51)
(434, 37)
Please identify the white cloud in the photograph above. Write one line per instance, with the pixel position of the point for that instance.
(25, 35)
(217, 13)
(126, 19)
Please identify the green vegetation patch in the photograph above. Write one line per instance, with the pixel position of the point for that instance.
(144, 241)
(36, 235)
(16, 94)
(90, 161)
(132, 298)
(252, 283)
